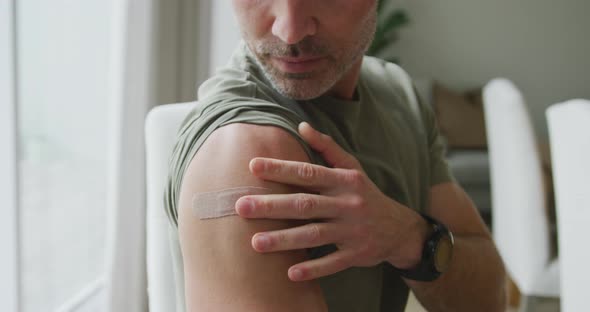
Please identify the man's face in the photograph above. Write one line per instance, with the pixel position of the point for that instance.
(306, 46)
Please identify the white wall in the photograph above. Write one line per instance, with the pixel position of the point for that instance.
(542, 45)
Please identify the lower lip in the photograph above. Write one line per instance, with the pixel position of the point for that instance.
(298, 67)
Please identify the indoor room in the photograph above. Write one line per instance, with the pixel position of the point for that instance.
(294, 155)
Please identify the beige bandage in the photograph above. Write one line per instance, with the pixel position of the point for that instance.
(222, 203)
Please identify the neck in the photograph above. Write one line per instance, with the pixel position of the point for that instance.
(345, 87)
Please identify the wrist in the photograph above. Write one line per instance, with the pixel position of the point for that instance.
(436, 254)
(409, 253)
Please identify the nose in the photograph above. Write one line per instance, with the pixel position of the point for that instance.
(294, 20)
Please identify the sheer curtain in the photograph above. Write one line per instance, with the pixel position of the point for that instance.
(158, 57)
(131, 96)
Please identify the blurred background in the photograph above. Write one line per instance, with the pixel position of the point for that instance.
(78, 77)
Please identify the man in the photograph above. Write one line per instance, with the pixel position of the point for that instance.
(273, 215)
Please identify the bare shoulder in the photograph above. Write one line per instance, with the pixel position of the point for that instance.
(222, 271)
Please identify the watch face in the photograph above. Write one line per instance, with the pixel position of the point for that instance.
(443, 254)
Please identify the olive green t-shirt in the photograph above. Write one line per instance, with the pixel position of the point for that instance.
(385, 127)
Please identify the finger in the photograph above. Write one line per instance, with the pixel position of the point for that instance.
(301, 237)
(335, 155)
(327, 265)
(301, 206)
(297, 173)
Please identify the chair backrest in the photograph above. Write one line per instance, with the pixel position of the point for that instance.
(569, 134)
(161, 126)
(519, 219)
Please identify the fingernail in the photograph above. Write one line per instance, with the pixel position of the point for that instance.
(256, 165)
(262, 242)
(306, 124)
(296, 274)
(245, 206)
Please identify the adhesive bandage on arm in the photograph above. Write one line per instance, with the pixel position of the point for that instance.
(222, 203)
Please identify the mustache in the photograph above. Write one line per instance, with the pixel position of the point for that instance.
(306, 47)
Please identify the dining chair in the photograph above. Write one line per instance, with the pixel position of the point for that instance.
(161, 126)
(520, 223)
(569, 135)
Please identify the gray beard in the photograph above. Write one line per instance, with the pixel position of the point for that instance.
(303, 86)
(292, 87)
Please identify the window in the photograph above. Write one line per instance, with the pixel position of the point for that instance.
(62, 63)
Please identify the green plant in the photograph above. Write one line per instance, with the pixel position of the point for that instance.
(389, 21)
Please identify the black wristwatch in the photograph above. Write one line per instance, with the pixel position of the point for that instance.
(436, 254)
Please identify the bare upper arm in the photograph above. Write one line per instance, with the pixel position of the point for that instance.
(452, 206)
(222, 271)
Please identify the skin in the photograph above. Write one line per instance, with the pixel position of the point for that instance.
(369, 228)
(264, 245)
(295, 31)
(221, 270)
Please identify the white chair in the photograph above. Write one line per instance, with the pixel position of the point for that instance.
(569, 134)
(161, 126)
(520, 222)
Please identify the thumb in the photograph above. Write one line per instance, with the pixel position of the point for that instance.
(332, 153)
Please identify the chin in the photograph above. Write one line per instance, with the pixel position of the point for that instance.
(303, 87)
(301, 90)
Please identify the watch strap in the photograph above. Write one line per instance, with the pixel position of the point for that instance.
(425, 270)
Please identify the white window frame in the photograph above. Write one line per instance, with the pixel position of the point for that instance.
(9, 213)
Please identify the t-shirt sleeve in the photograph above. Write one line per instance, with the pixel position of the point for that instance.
(439, 168)
(216, 113)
